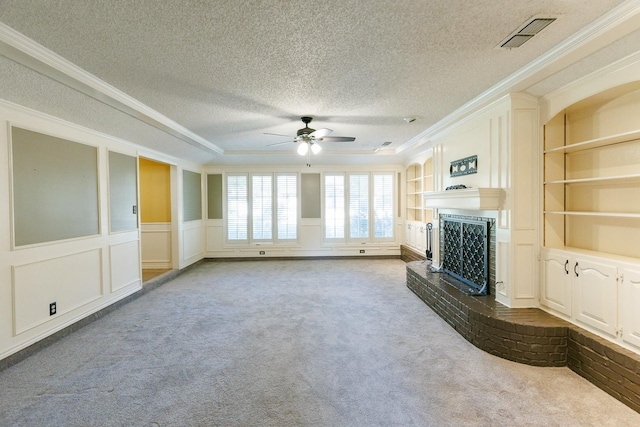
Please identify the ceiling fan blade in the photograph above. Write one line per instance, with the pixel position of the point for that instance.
(320, 133)
(338, 139)
(277, 134)
(280, 143)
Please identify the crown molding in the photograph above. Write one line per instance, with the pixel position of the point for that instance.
(21, 49)
(578, 46)
(28, 118)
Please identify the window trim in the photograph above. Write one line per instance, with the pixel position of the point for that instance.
(249, 241)
(347, 239)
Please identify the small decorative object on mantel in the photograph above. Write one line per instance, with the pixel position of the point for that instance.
(465, 166)
(455, 187)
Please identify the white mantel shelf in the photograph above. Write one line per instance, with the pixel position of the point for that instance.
(483, 199)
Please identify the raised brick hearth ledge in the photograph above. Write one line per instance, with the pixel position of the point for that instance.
(529, 335)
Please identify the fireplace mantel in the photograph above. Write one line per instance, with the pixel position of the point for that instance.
(467, 198)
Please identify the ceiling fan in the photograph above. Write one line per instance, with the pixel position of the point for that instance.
(308, 139)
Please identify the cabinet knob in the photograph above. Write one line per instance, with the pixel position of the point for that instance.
(566, 270)
(575, 269)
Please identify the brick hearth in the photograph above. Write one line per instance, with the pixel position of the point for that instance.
(528, 335)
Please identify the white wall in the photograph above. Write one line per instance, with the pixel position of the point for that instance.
(310, 231)
(504, 136)
(81, 275)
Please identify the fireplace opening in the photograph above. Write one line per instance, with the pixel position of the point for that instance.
(465, 253)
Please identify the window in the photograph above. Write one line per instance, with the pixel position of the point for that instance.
(262, 208)
(367, 202)
(383, 206)
(359, 206)
(287, 206)
(237, 207)
(334, 214)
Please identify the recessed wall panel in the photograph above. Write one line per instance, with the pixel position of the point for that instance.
(123, 192)
(214, 196)
(55, 188)
(310, 195)
(69, 281)
(125, 264)
(192, 196)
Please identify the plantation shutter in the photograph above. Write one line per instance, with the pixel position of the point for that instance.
(383, 205)
(237, 207)
(359, 206)
(262, 207)
(334, 215)
(287, 206)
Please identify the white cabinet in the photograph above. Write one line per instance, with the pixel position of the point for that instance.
(415, 235)
(421, 237)
(630, 305)
(409, 233)
(595, 294)
(555, 289)
(582, 287)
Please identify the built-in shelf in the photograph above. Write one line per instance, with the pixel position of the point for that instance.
(595, 179)
(597, 142)
(591, 213)
(468, 198)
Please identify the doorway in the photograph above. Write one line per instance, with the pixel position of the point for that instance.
(156, 218)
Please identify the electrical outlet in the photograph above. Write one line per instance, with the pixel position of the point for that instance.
(52, 309)
(361, 251)
(262, 252)
(134, 209)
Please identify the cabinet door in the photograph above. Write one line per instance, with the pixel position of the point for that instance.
(630, 306)
(421, 237)
(409, 234)
(556, 282)
(595, 294)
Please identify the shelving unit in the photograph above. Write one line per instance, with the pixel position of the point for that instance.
(427, 186)
(592, 186)
(419, 179)
(592, 214)
(414, 192)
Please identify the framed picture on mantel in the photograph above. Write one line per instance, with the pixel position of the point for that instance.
(465, 166)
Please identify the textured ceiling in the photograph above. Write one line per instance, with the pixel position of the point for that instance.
(230, 71)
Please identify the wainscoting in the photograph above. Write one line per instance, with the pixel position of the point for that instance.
(156, 245)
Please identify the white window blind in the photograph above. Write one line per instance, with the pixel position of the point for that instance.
(262, 207)
(383, 205)
(287, 206)
(334, 210)
(237, 207)
(359, 206)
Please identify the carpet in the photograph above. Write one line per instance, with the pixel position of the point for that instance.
(289, 343)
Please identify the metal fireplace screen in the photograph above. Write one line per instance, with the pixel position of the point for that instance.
(466, 252)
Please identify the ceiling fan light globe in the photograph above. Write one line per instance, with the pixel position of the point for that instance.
(303, 148)
(315, 148)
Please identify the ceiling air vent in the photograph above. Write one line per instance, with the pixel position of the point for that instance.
(384, 144)
(525, 32)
